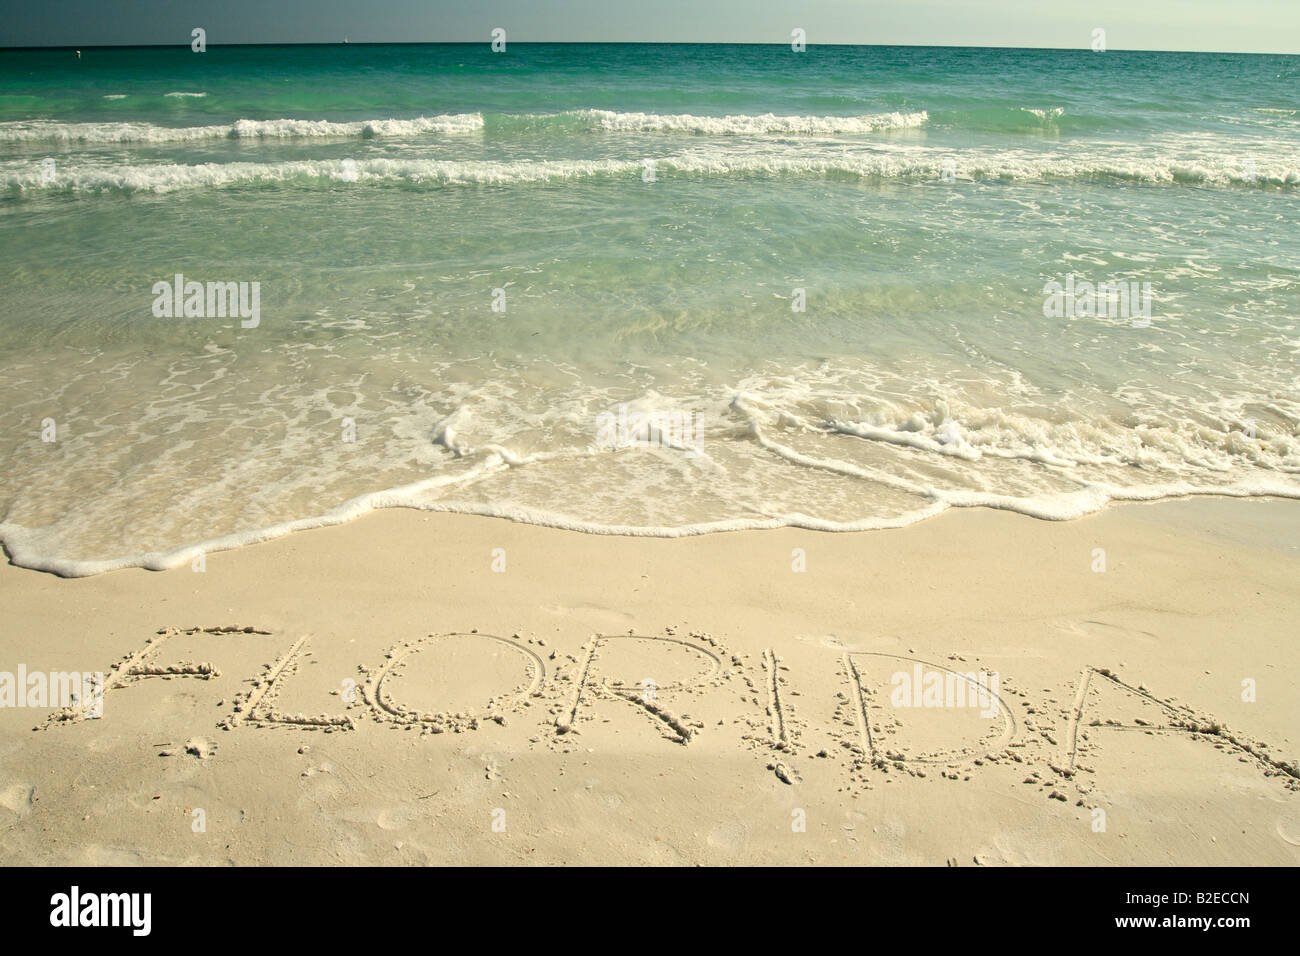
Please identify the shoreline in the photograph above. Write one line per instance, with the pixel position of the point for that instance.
(404, 498)
(774, 702)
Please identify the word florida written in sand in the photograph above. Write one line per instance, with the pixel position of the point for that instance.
(567, 694)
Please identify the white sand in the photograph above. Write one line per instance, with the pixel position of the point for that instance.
(534, 741)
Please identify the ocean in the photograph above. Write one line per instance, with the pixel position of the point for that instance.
(637, 289)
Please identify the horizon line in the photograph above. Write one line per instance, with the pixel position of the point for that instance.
(487, 42)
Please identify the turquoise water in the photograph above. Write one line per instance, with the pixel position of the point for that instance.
(642, 218)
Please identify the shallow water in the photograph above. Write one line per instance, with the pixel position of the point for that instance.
(648, 215)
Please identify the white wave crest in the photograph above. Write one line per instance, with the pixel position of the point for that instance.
(51, 131)
(766, 123)
(909, 165)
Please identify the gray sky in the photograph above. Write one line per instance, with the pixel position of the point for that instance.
(1259, 26)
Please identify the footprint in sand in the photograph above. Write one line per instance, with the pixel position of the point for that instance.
(730, 837)
(394, 818)
(17, 799)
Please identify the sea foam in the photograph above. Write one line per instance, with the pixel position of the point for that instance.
(53, 131)
(900, 164)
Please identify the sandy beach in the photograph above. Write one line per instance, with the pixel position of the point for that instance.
(444, 689)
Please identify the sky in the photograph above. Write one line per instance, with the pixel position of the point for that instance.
(1252, 26)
